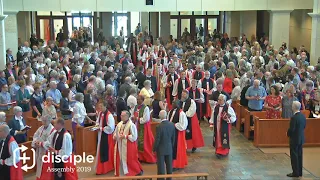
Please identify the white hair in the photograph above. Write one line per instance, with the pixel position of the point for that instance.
(5, 128)
(17, 109)
(162, 114)
(236, 81)
(296, 105)
(224, 97)
(91, 68)
(2, 116)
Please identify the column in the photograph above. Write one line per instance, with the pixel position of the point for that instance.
(11, 28)
(233, 23)
(279, 27)
(315, 34)
(144, 21)
(2, 38)
(248, 23)
(154, 24)
(164, 25)
(106, 24)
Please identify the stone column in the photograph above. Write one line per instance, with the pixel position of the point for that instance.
(248, 23)
(232, 24)
(11, 28)
(106, 24)
(144, 21)
(2, 38)
(164, 25)
(279, 27)
(315, 34)
(154, 24)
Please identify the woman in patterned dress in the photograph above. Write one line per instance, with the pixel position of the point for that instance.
(273, 104)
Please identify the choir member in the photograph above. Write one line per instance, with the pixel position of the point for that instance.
(193, 132)
(60, 144)
(198, 74)
(196, 94)
(133, 49)
(105, 145)
(222, 117)
(179, 118)
(168, 81)
(208, 85)
(126, 149)
(180, 84)
(10, 168)
(145, 137)
(39, 141)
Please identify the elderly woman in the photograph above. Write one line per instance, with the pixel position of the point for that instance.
(23, 97)
(110, 99)
(272, 103)
(36, 100)
(315, 105)
(132, 99)
(147, 92)
(5, 98)
(78, 116)
(17, 126)
(287, 101)
(2, 118)
(49, 109)
(236, 92)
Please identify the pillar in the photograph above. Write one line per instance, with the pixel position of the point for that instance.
(154, 24)
(279, 27)
(2, 38)
(106, 24)
(232, 23)
(248, 23)
(315, 33)
(11, 28)
(144, 21)
(164, 25)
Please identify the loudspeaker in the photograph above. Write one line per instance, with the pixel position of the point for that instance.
(149, 2)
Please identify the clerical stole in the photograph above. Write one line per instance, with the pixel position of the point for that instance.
(221, 128)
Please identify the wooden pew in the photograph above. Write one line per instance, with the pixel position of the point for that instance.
(68, 126)
(199, 176)
(272, 132)
(86, 141)
(237, 109)
(34, 124)
(30, 154)
(247, 126)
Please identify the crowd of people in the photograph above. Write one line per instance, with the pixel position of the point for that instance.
(191, 80)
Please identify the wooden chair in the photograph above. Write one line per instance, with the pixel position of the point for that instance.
(237, 109)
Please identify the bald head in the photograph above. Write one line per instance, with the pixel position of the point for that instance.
(256, 83)
(4, 131)
(163, 114)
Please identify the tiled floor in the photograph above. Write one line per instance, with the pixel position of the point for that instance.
(244, 162)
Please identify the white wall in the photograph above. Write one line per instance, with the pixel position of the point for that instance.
(24, 25)
(11, 29)
(134, 19)
(159, 5)
(248, 23)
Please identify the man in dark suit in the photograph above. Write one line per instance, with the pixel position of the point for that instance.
(17, 126)
(9, 71)
(164, 144)
(140, 77)
(121, 104)
(296, 135)
(126, 87)
(152, 79)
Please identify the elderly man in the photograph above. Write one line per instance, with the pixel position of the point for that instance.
(126, 149)
(39, 142)
(221, 119)
(180, 84)
(255, 96)
(5, 98)
(54, 93)
(283, 71)
(168, 82)
(296, 135)
(164, 143)
(198, 74)
(2, 118)
(179, 118)
(105, 145)
(208, 85)
(193, 133)
(141, 117)
(9, 156)
(18, 126)
(215, 94)
(197, 95)
(60, 144)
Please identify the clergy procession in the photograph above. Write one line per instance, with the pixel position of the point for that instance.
(122, 89)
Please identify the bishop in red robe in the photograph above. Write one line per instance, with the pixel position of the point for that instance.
(145, 136)
(168, 81)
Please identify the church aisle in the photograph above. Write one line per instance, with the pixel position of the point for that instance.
(244, 162)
